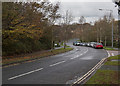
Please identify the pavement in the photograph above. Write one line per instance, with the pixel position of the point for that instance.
(63, 68)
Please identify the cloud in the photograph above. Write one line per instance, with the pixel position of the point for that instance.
(90, 10)
(82, 0)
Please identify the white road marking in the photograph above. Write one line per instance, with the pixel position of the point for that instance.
(86, 51)
(112, 54)
(80, 54)
(108, 54)
(25, 74)
(97, 66)
(57, 63)
(74, 57)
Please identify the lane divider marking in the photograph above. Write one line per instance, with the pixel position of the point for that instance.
(75, 57)
(39, 69)
(25, 74)
(80, 54)
(57, 63)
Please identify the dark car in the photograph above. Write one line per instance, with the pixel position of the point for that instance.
(76, 43)
(98, 45)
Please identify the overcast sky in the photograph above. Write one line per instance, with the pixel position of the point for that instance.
(87, 8)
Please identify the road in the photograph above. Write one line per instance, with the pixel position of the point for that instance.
(59, 69)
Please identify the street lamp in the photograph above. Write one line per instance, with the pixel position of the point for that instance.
(117, 2)
(111, 12)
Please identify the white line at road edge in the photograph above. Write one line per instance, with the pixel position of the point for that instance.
(25, 74)
(57, 63)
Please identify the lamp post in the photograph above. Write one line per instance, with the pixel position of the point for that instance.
(117, 2)
(111, 12)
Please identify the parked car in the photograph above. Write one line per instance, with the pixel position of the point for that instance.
(98, 45)
(83, 44)
(92, 44)
(76, 43)
(88, 44)
(57, 45)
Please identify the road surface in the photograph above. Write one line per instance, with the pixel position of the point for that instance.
(59, 69)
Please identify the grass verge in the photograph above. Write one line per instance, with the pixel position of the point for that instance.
(114, 63)
(105, 77)
(114, 58)
(34, 56)
(107, 48)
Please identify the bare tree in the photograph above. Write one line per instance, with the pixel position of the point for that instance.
(82, 20)
(54, 15)
(68, 18)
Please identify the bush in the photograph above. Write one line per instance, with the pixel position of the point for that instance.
(24, 45)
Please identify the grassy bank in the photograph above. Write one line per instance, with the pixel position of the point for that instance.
(104, 76)
(114, 63)
(107, 48)
(33, 56)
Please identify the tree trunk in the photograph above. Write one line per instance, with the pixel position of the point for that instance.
(105, 41)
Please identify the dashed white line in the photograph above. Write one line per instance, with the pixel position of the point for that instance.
(57, 63)
(25, 74)
(80, 54)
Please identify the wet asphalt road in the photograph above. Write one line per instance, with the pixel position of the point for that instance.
(59, 69)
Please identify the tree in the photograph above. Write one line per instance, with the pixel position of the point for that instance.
(68, 18)
(27, 24)
(82, 20)
(53, 16)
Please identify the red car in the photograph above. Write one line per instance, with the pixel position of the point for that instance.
(98, 45)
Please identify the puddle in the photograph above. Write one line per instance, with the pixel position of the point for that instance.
(115, 60)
